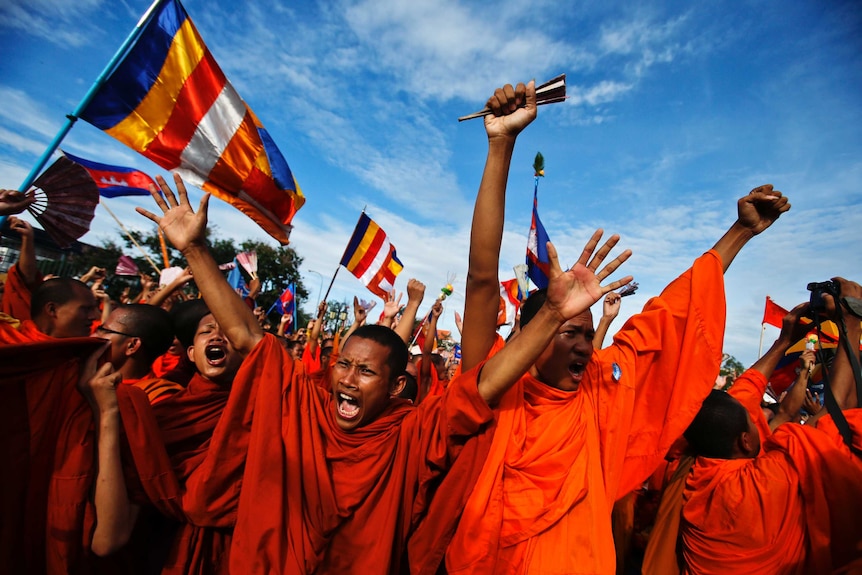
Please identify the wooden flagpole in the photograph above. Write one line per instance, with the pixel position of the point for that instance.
(116, 219)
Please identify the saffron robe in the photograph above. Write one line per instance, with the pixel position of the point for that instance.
(560, 459)
(44, 440)
(799, 500)
(316, 499)
(156, 388)
(171, 456)
(17, 294)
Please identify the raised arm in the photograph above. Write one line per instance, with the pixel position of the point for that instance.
(482, 295)
(115, 513)
(360, 315)
(842, 381)
(415, 295)
(788, 409)
(186, 229)
(427, 347)
(27, 258)
(610, 310)
(569, 293)
(311, 343)
(163, 294)
(756, 212)
(390, 308)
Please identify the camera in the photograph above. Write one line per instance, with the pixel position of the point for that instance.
(818, 290)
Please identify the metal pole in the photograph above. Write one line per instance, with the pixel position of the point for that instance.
(320, 286)
(85, 101)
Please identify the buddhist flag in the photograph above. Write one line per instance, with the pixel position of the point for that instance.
(773, 314)
(371, 258)
(537, 248)
(168, 99)
(114, 181)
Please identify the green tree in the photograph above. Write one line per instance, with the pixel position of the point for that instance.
(277, 266)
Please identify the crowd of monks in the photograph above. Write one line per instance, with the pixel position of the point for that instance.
(171, 436)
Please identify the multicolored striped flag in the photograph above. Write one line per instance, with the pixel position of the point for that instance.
(371, 258)
(169, 100)
(114, 181)
(538, 264)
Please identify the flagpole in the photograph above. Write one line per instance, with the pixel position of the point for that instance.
(760, 347)
(326, 295)
(116, 219)
(85, 101)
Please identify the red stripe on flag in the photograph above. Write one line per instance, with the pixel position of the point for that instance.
(263, 190)
(370, 254)
(234, 166)
(196, 97)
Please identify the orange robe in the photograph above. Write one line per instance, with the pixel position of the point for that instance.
(165, 363)
(318, 500)
(45, 440)
(560, 459)
(795, 509)
(778, 517)
(156, 388)
(171, 460)
(16, 294)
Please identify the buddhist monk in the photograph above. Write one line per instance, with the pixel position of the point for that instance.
(789, 504)
(139, 333)
(23, 277)
(336, 482)
(582, 427)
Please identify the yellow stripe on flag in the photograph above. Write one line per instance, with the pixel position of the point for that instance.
(141, 127)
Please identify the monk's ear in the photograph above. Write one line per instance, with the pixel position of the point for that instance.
(745, 444)
(397, 385)
(50, 309)
(133, 345)
(190, 352)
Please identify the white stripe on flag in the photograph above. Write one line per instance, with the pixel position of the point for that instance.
(380, 259)
(214, 132)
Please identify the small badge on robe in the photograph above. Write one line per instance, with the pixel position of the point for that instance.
(618, 372)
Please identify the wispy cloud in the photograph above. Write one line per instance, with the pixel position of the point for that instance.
(48, 20)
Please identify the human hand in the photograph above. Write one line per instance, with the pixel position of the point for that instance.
(360, 314)
(846, 289)
(124, 296)
(392, 305)
(14, 202)
(611, 306)
(415, 291)
(99, 291)
(792, 329)
(760, 208)
(21, 227)
(459, 323)
(182, 226)
(286, 319)
(811, 404)
(94, 273)
(807, 360)
(512, 110)
(572, 292)
(98, 384)
(436, 309)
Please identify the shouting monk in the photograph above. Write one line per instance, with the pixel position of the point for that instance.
(336, 481)
(582, 427)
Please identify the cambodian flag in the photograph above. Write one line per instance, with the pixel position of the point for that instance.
(537, 248)
(114, 181)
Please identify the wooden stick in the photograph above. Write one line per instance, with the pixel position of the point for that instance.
(116, 219)
(550, 92)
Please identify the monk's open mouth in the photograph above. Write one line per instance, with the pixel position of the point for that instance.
(577, 370)
(215, 354)
(348, 407)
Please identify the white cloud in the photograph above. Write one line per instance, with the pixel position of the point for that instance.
(50, 19)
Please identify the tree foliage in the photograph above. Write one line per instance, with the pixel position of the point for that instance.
(277, 266)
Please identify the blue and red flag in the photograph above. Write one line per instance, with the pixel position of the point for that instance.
(169, 100)
(286, 304)
(237, 282)
(537, 247)
(114, 181)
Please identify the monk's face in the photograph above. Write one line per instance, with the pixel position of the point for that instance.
(362, 383)
(211, 352)
(75, 317)
(564, 362)
(123, 340)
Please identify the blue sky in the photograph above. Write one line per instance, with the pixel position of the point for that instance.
(676, 110)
